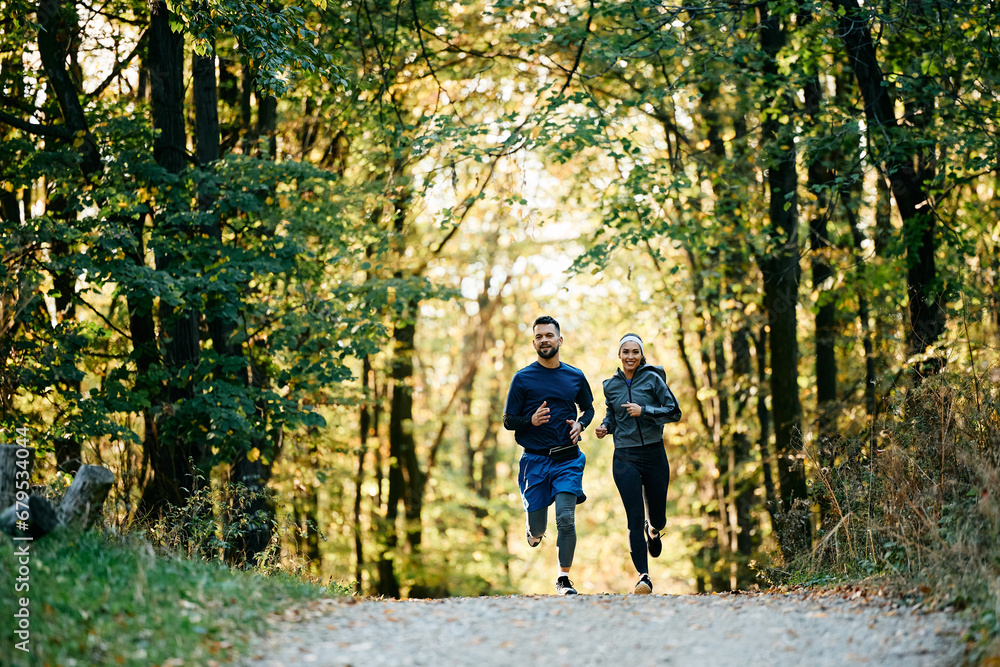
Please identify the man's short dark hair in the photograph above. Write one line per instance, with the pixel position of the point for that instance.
(547, 319)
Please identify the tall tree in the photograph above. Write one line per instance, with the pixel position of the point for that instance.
(174, 453)
(819, 181)
(898, 158)
(780, 267)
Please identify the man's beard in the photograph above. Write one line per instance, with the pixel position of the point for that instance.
(549, 352)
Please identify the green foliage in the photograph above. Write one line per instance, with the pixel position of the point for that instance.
(276, 41)
(288, 230)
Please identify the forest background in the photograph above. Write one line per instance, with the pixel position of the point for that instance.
(275, 267)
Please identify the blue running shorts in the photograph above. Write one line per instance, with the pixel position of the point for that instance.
(540, 479)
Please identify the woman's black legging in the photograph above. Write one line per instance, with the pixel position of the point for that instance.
(642, 475)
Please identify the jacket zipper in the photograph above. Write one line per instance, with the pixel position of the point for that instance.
(638, 427)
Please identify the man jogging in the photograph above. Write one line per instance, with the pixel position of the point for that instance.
(541, 409)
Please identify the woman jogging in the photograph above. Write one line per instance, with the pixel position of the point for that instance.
(639, 403)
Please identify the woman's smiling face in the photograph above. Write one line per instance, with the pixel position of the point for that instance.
(630, 355)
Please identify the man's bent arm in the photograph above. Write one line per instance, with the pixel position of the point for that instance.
(514, 422)
(512, 408)
(585, 400)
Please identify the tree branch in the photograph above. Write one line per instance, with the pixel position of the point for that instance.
(119, 66)
(579, 51)
(51, 131)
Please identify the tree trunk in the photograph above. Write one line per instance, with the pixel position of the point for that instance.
(402, 447)
(849, 192)
(364, 428)
(715, 552)
(145, 352)
(764, 419)
(388, 584)
(781, 284)
(488, 447)
(10, 209)
(864, 313)
(900, 161)
(55, 37)
(253, 506)
(68, 448)
(206, 108)
(83, 503)
(69, 454)
(305, 507)
(819, 179)
(310, 129)
(993, 250)
(175, 457)
(267, 123)
(726, 462)
(256, 474)
(251, 526)
(35, 518)
(745, 520)
(165, 61)
(230, 93)
(16, 464)
(246, 108)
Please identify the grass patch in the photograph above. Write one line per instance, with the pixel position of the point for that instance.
(100, 599)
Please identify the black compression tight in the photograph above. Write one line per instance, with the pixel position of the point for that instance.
(642, 475)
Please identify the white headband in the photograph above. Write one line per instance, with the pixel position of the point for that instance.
(634, 339)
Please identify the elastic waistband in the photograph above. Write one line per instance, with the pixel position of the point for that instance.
(642, 448)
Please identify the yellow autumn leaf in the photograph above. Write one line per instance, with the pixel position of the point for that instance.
(253, 455)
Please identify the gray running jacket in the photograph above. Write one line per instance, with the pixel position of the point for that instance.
(659, 406)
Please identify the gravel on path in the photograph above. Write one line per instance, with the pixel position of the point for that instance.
(797, 628)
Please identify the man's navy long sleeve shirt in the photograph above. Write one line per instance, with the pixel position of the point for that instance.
(562, 389)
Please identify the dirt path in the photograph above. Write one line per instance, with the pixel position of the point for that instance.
(797, 628)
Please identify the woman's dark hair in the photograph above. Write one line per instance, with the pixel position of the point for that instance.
(546, 319)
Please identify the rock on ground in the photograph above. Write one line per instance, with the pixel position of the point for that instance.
(797, 628)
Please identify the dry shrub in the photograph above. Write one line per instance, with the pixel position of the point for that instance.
(917, 497)
(215, 518)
